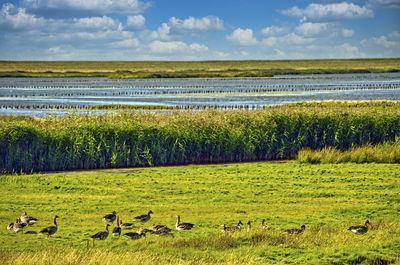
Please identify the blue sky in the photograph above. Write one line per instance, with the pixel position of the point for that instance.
(198, 30)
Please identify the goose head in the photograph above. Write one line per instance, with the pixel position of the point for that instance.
(149, 212)
(303, 227)
(239, 223)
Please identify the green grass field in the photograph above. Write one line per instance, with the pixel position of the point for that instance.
(327, 198)
(193, 69)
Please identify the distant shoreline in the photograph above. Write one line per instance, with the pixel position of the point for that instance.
(195, 69)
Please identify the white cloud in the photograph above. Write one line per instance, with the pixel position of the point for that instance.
(381, 4)
(172, 47)
(128, 43)
(197, 24)
(294, 39)
(395, 35)
(98, 6)
(162, 32)
(312, 29)
(97, 23)
(242, 37)
(329, 12)
(347, 33)
(274, 30)
(135, 22)
(381, 41)
(270, 41)
(13, 18)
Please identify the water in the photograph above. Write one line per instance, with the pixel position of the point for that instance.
(57, 96)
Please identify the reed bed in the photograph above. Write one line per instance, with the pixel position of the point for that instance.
(126, 139)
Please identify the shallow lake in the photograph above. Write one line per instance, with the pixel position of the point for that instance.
(58, 96)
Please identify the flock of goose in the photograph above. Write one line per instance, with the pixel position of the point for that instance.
(26, 220)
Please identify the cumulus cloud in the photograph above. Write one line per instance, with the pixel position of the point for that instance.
(163, 32)
(330, 30)
(329, 12)
(274, 30)
(13, 18)
(173, 47)
(135, 22)
(76, 7)
(95, 23)
(382, 4)
(128, 43)
(242, 37)
(382, 41)
(197, 24)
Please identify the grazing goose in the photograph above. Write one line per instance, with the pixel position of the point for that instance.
(144, 217)
(101, 235)
(110, 217)
(28, 219)
(248, 226)
(263, 226)
(121, 224)
(159, 227)
(117, 230)
(359, 229)
(10, 226)
(143, 231)
(133, 235)
(182, 226)
(295, 231)
(18, 226)
(234, 228)
(163, 231)
(51, 229)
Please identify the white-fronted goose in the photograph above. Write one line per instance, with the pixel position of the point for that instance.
(101, 235)
(144, 217)
(359, 229)
(263, 226)
(117, 230)
(125, 225)
(133, 235)
(294, 231)
(51, 229)
(182, 226)
(162, 231)
(110, 217)
(28, 219)
(18, 226)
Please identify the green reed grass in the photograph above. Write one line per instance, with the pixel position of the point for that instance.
(129, 139)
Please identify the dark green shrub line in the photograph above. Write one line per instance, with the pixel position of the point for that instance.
(142, 139)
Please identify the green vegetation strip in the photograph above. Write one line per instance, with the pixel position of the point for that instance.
(131, 139)
(326, 198)
(194, 69)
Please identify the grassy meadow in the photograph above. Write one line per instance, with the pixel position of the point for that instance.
(326, 198)
(193, 69)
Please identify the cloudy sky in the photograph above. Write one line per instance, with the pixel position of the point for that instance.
(198, 30)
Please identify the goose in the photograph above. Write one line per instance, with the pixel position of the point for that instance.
(249, 226)
(182, 226)
(263, 226)
(232, 228)
(371, 225)
(359, 229)
(18, 226)
(10, 226)
(28, 219)
(121, 224)
(159, 227)
(133, 235)
(294, 231)
(101, 235)
(50, 230)
(110, 217)
(144, 217)
(163, 231)
(117, 230)
(143, 231)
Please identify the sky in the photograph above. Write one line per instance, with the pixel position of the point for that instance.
(198, 30)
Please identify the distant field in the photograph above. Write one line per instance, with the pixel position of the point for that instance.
(199, 69)
(327, 198)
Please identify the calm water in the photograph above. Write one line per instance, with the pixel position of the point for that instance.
(43, 96)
